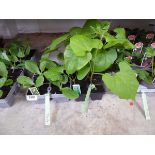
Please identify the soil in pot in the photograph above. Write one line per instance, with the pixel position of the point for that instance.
(31, 54)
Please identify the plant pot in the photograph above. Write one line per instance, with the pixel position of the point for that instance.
(95, 94)
(7, 98)
(9, 91)
(55, 95)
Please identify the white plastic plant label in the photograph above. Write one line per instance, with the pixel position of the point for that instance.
(76, 88)
(32, 98)
(47, 110)
(145, 106)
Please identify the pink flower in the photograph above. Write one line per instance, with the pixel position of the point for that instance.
(132, 37)
(139, 45)
(150, 36)
(153, 45)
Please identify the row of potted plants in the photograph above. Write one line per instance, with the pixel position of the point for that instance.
(12, 59)
(93, 60)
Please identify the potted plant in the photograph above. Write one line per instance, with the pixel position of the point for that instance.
(92, 50)
(48, 77)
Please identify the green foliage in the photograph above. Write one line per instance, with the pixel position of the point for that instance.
(25, 81)
(150, 52)
(81, 44)
(144, 75)
(3, 70)
(83, 72)
(103, 59)
(123, 83)
(74, 63)
(39, 81)
(32, 67)
(56, 42)
(69, 93)
(1, 93)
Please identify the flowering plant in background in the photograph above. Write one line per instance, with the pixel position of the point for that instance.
(132, 38)
(150, 36)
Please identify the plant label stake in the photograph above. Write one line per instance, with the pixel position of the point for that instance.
(145, 106)
(47, 108)
(86, 102)
(34, 91)
(76, 87)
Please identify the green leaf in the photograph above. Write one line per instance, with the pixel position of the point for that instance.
(8, 82)
(46, 63)
(105, 25)
(87, 28)
(120, 33)
(2, 81)
(81, 44)
(52, 75)
(104, 59)
(69, 93)
(39, 81)
(32, 67)
(3, 70)
(74, 63)
(83, 72)
(150, 52)
(123, 83)
(56, 42)
(64, 79)
(75, 30)
(25, 81)
(119, 43)
(144, 75)
(1, 93)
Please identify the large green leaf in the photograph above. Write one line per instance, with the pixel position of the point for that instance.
(123, 83)
(120, 33)
(69, 93)
(3, 70)
(83, 72)
(119, 43)
(56, 42)
(74, 63)
(81, 44)
(87, 28)
(104, 59)
(52, 75)
(32, 67)
(39, 81)
(2, 81)
(25, 81)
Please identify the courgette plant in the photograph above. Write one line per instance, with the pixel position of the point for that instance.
(4, 80)
(92, 50)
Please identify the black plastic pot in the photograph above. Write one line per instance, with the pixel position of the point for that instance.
(7, 99)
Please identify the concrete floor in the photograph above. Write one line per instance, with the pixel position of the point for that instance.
(110, 115)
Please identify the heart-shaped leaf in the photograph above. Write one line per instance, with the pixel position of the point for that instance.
(69, 93)
(124, 83)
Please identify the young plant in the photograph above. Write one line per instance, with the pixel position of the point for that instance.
(4, 80)
(14, 55)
